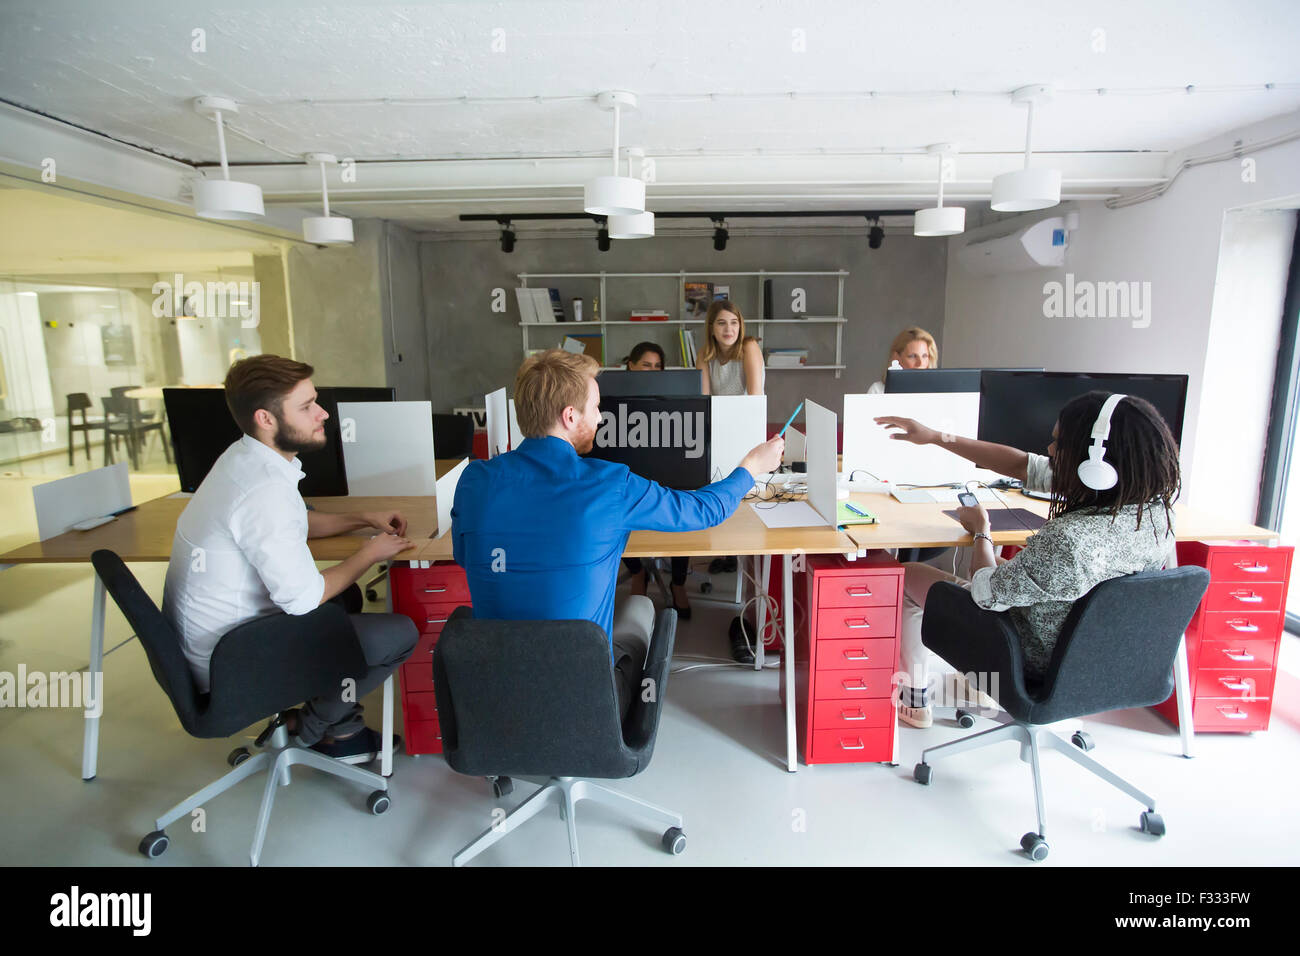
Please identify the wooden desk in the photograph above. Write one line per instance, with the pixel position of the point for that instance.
(926, 526)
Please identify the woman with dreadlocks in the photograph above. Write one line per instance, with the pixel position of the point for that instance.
(1090, 536)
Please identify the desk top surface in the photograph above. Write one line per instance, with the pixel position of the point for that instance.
(146, 533)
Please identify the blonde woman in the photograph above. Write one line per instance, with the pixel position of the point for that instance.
(912, 348)
(731, 363)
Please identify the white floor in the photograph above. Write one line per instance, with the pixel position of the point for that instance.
(719, 761)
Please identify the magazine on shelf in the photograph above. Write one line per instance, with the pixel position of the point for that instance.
(697, 298)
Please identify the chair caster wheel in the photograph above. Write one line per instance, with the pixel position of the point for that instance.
(674, 840)
(237, 756)
(1035, 846)
(378, 802)
(1151, 822)
(155, 844)
(1082, 740)
(964, 720)
(372, 594)
(921, 774)
(502, 787)
(706, 587)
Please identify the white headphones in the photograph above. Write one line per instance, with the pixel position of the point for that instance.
(1095, 471)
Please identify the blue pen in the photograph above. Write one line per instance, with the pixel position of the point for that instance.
(789, 420)
(855, 510)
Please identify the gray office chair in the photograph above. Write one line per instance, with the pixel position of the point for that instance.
(258, 669)
(1116, 650)
(537, 699)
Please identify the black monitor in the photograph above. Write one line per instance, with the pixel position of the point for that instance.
(201, 429)
(664, 384)
(663, 439)
(1020, 408)
(899, 380)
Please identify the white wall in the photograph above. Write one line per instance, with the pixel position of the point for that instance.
(1172, 242)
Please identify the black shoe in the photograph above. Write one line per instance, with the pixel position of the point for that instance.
(683, 613)
(740, 647)
(367, 743)
(723, 565)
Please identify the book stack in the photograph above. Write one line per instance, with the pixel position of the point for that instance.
(688, 347)
(786, 358)
(648, 315)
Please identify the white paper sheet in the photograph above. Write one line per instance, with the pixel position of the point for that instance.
(789, 514)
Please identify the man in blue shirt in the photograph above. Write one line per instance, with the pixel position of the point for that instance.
(539, 531)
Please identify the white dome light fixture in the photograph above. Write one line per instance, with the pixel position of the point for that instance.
(615, 195)
(326, 230)
(940, 220)
(224, 198)
(640, 226)
(1027, 188)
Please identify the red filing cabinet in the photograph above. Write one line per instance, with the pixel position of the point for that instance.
(1233, 638)
(845, 657)
(427, 596)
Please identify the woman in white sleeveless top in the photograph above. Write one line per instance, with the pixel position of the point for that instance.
(731, 362)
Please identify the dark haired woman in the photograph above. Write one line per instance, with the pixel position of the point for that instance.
(649, 357)
(1090, 536)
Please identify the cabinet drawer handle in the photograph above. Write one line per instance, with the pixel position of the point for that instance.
(860, 746)
(864, 591)
(860, 685)
(1240, 657)
(1235, 683)
(435, 590)
(860, 656)
(1251, 567)
(858, 627)
(1233, 715)
(1247, 597)
(844, 715)
(1246, 628)
(435, 620)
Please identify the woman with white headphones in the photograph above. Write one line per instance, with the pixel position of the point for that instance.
(1112, 471)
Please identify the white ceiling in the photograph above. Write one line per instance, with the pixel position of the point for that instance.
(714, 80)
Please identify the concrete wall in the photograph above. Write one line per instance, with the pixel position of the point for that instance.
(405, 334)
(473, 350)
(273, 325)
(1173, 243)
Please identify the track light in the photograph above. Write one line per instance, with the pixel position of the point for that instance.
(876, 235)
(720, 234)
(507, 237)
(224, 198)
(602, 239)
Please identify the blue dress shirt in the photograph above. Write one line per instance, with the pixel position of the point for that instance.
(539, 530)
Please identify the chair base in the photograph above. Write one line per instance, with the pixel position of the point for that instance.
(279, 755)
(1032, 738)
(566, 793)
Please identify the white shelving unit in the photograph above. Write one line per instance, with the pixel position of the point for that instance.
(761, 276)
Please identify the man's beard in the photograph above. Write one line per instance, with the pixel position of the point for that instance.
(585, 442)
(295, 442)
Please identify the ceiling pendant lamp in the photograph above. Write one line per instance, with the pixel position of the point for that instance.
(940, 220)
(615, 195)
(1027, 188)
(326, 230)
(224, 198)
(640, 226)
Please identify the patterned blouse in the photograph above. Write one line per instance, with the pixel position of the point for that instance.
(1065, 560)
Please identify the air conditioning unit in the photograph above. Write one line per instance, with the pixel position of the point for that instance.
(1040, 246)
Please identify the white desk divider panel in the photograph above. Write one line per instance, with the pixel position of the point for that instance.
(388, 447)
(868, 446)
(738, 424)
(821, 460)
(446, 492)
(795, 446)
(498, 424)
(94, 494)
(516, 436)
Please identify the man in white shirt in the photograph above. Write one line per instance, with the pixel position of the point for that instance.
(240, 550)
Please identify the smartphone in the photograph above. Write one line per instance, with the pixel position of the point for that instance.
(967, 499)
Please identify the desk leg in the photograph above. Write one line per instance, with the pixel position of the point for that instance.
(1182, 683)
(386, 757)
(787, 583)
(762, 569)
(90, 740)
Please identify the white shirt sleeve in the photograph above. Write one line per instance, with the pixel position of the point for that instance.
(269, 524)
(1038, 473)
(876, 388)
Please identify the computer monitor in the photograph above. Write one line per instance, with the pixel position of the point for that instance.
(899, 380)
(665, 384)
(1020, 408)
(202, 428)
(664, 439)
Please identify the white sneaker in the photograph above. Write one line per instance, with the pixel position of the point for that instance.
(962, 693)
(921, 717)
